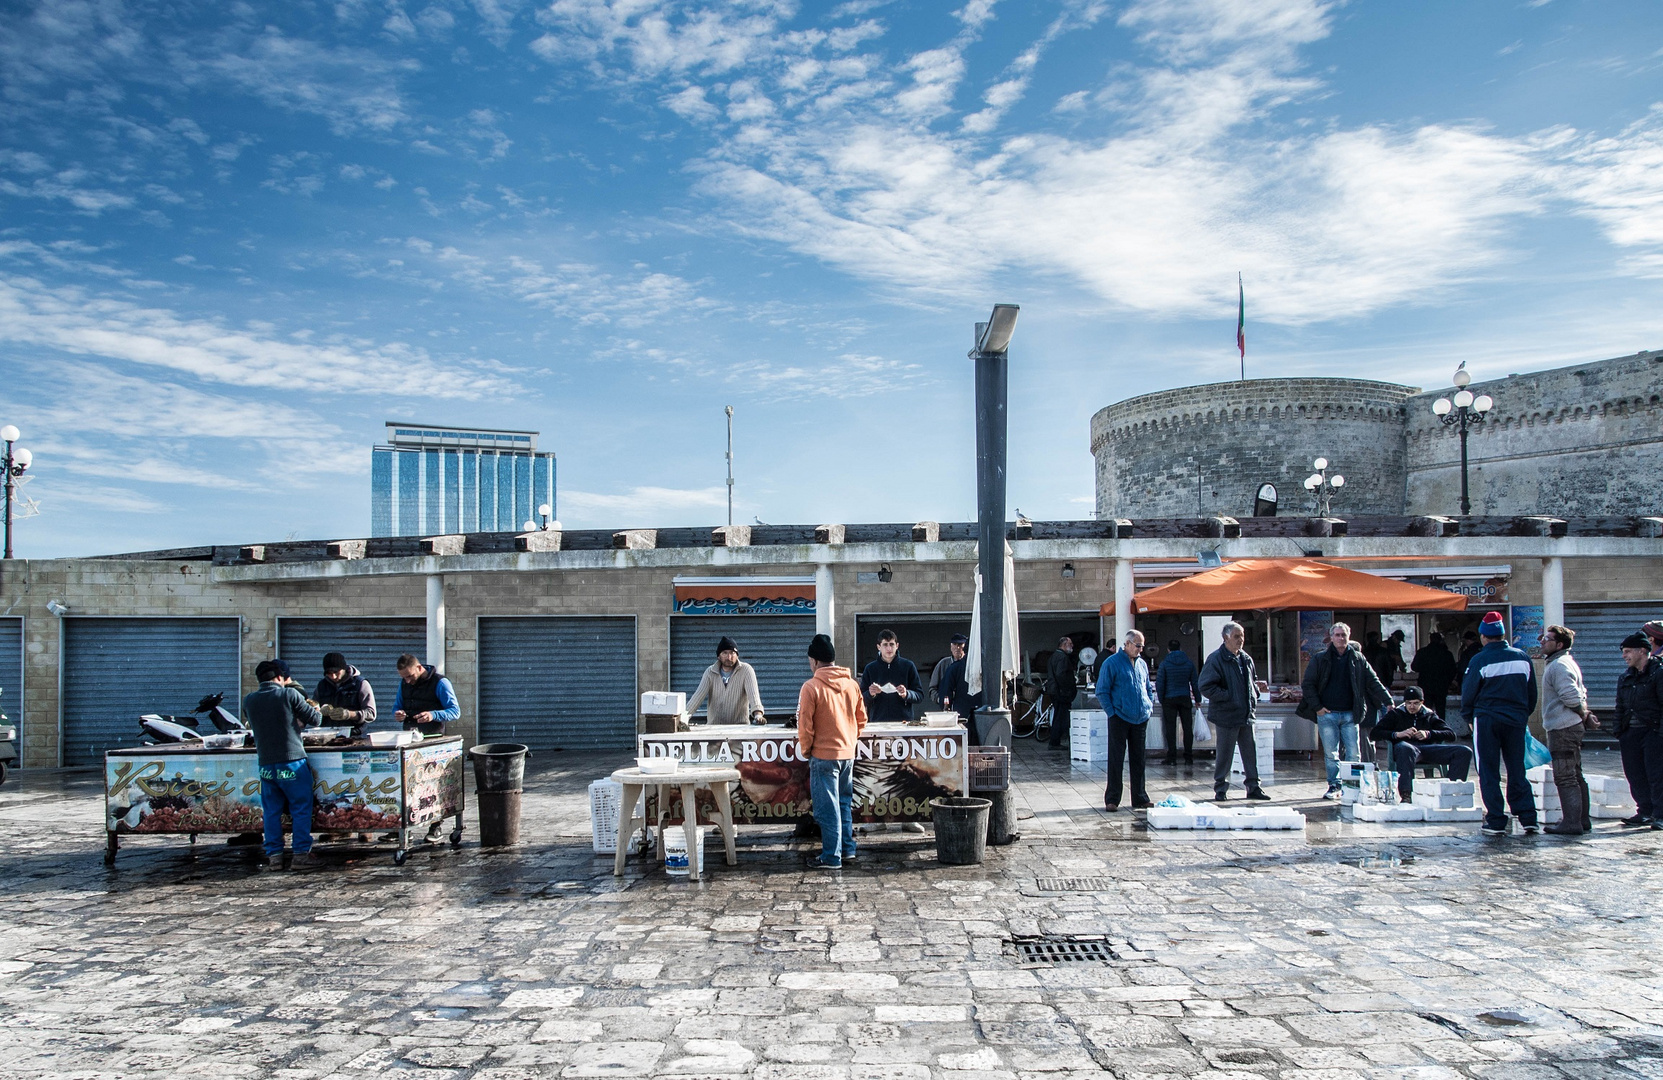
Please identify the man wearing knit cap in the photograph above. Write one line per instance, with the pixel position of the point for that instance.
(1497, 697)
(830, 714)
(1654, 631)
(730, 684)
(1639, 729)
(344, 694)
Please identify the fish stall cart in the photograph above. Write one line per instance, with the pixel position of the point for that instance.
(899, 768)
(193, 790)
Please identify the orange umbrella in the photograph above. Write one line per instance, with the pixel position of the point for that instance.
(1290, 585)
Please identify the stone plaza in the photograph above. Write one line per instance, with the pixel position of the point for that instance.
(1351, 950)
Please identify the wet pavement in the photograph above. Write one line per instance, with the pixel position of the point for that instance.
(1349, 951)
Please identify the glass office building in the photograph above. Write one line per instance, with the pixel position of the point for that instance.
(430, 481)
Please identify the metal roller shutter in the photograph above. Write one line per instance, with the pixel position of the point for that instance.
(1600, 629)
(115, 669)
(11, 674)
(557, 682)
(372, 646)
(776, 645)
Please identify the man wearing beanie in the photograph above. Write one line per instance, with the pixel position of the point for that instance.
(730, 685)
(277, 713)
(1418, 736)
(1497, 697)
(830, 714)
(1640, 729)
(344, 694)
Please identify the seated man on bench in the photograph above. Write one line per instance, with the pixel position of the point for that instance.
(1418, 736)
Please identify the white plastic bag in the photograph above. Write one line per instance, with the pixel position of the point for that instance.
(1203, 731)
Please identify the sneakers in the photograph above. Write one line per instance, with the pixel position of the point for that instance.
(817, 863)
(1258, 795)
(306, 860)
(1333, 792)
(912, 826)
(1536, 830)
(1491, 830)
(1636, 821)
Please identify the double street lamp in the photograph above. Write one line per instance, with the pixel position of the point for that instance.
(17, 462)
(1464, 412)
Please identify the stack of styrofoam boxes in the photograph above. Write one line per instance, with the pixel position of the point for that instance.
(1351, 780)
(1088, 735)
(1447, 800)
(1212, 816)
(1264, 750)
(1608, 796)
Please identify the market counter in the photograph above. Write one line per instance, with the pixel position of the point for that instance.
(181, 789)
(899, 768)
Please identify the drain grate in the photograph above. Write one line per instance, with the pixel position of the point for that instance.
(1073, 884)
(1062, 949)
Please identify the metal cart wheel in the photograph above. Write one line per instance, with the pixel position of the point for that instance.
(400, 856)
(456, 837)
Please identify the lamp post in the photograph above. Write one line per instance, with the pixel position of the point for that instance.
(1464, 412)
(17, 461)
(729, 411)
(992, 377)
(1323, 487)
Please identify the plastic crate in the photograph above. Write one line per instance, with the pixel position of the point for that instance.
(605, 797)
(990, 768)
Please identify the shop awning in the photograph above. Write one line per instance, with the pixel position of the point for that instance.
(1290, 585)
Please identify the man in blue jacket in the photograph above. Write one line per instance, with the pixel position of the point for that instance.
(1497, 697)
(1178, 685)
(1123, 690)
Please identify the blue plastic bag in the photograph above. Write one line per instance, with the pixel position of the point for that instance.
(1534, 752)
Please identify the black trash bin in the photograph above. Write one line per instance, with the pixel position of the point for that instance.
(499, 780)
(960, 830)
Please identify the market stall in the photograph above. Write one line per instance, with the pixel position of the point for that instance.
(1258, 591)
(187, 789)
(899, 768)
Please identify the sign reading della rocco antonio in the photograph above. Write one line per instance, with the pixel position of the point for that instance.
(899, 768)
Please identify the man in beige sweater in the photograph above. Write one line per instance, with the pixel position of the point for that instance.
(730, 685)
(830, 714)
(1565, 715)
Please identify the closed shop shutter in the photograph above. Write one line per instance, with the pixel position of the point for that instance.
(373, 646)
(11, 674)
(114, 670)
(557, 682)
(776, 645)
(1600, 629)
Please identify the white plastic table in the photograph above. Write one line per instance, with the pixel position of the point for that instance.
(688, 778)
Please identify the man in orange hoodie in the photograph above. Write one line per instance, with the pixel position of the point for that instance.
(830, 715)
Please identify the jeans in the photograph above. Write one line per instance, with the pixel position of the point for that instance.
(832, 786)
(1498, 744)
(1642, 750)
(1233, 737)
(1124, 737)
(1407, 754)
(287, 787)
(1178, 713)
(1338, 731)
(1565, 744)
(1061, 717)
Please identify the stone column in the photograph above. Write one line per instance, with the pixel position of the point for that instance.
(436, 621)
(825, 604)
(1123, 589)
(1553, 592)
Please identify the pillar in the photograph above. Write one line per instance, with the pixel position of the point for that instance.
(825, 604)
(436, 621)
(1553, 592)
(1123, 588)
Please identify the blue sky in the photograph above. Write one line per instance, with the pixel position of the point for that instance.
(236, 238)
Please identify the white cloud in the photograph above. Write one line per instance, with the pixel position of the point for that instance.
(642, 504)
(71, 320)
(353, 89)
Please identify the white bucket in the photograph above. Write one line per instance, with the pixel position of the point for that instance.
(675, 849)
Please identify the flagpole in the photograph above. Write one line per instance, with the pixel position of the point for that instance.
(1241, 325)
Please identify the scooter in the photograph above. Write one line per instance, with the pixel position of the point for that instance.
(8, 747)
(183, 729)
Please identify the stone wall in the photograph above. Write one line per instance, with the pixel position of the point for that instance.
(1206, 449)
(1584, 440)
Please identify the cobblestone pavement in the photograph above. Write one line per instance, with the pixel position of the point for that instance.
(1350, 951)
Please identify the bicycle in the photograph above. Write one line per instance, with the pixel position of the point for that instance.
(1043, 715)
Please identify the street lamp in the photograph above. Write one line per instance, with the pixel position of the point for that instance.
(1323, 487)
(16, 463)
(991, 354)
(1464, 412)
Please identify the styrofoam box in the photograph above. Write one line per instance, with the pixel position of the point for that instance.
(1606, 813)
(1385, 812)
(663, 703)
(1355, 770)
(1088, 750)
(1541, 774)
(1444, 787)
(1440, 802)
(1458, 813)
(1171, 817)
(1601, 782)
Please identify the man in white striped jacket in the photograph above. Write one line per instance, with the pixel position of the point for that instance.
(1497, 698)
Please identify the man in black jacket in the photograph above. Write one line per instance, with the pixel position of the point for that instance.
(1435, 671)
(1061, 684)
(344, 694)
(1340, 691)
(1639, 729)
(1232, 695)
(1419, 736)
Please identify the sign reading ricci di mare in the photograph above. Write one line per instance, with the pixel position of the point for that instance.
(897, 771)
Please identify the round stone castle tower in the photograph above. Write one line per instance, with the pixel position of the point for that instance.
(1206, 449)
